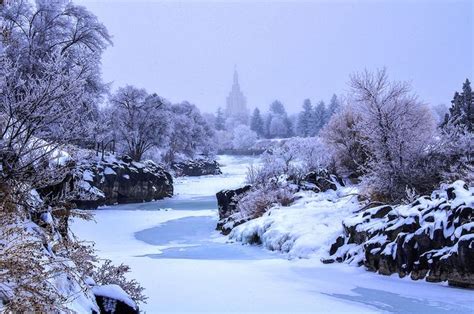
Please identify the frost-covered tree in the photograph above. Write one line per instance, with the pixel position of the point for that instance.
(277, 108)
(243, 137)
(462, 108)
(319, 117)
(189, 133)
(439, 112)
(37, 115)
(333, 107)
(220, 120)
(396, 129)
(256, 122)
(304, 126)
(454, 150)
(277, 123)
(140, 120)
(35, 34)
(278, 128)
(345, 139)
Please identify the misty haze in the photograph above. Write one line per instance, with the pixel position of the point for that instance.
(236, 156)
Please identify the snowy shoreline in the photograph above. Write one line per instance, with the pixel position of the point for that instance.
(260, 282)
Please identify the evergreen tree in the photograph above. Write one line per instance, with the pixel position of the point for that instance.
(333, 107)
(304, 122)
(462, 108)
(320, 117)
(256, 123)
(279, 125)
(277, 108)
(220, 120)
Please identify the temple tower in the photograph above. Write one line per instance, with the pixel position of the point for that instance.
(236, 102)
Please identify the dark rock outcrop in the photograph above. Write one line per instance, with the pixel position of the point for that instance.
(321, 181)
(91, 184)
(194, 168)
(111, 299)
(227, 205)
(431, 239)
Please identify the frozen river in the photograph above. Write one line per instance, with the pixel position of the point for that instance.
(186, 266)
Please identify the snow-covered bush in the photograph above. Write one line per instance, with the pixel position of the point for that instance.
(345, 141)
(291, 159)
(307, 227)
(108, 274)
(256, 202)
(243, 137)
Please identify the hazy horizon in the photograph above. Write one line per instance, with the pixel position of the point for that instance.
(285, 50)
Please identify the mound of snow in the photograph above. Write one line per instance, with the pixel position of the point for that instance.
(304, 228)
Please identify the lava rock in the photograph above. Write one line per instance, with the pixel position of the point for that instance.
(194, 168)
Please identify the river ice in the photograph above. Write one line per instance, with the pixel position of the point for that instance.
(186, 266)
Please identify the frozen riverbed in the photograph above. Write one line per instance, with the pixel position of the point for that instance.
(186, 266)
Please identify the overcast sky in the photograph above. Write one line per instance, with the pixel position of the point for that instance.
(285, 50)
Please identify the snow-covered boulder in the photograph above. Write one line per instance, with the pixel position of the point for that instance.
(194, 168)
(431, 238)
(321, 181)
(111, 299)
(94, 182)
(227, 205)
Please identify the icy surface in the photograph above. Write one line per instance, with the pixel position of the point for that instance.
(186, 266)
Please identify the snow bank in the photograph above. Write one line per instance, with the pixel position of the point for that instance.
(304, 228)
(431, 238)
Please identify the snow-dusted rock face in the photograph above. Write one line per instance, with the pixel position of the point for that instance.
(227, 205)
(321, 181)
(97, 183)
(432, 238)
(194, 168)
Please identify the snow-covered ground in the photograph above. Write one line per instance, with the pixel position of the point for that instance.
(186, 266)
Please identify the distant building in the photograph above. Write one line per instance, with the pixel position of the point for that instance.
(237, 103)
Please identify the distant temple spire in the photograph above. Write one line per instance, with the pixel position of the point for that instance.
(236, 101)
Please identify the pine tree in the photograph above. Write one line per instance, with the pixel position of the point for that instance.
(320, 117)
(333, 107)
(462, 108)
(279, 125)
(304, 126)
(468, 99)
(256, 123)
(220, 120)
(277, 108)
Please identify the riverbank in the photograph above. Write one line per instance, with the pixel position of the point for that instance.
(186, 266)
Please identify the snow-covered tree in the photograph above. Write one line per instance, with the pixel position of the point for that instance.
(140, 120)
(345, 139)
(278, 128)
(243, 137)
(319, 117)
(277, 123)
(333, 107)
(189, 134)
(220, 120)
(304, 126)
(36, 33)
(454, 150)
(256, 123)
(396, 129)
(462, 109)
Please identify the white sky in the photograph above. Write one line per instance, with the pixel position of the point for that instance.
(289, 51)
